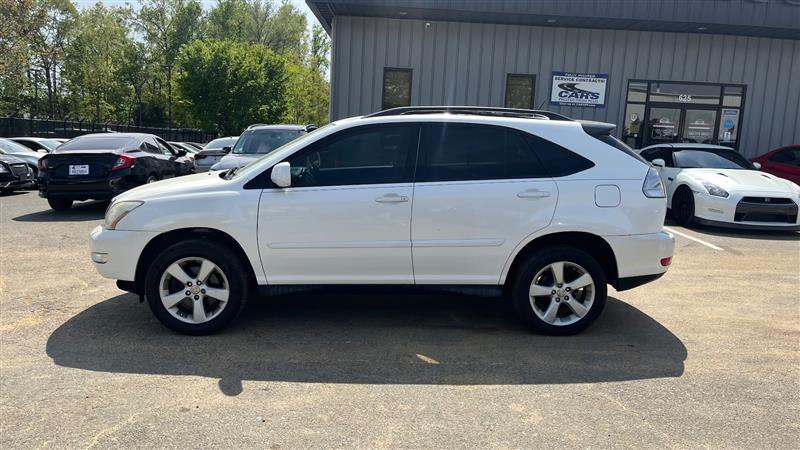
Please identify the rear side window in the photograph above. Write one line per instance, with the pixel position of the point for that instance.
(459, 152)
(557, 160)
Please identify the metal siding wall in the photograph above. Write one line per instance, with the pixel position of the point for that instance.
(467, 63)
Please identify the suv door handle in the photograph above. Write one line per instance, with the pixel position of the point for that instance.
(533, 193)
(391, 198)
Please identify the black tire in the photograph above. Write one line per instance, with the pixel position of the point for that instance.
(60, 204)
(151, 179)
(227, 260)
(536, 262)
(683, 206)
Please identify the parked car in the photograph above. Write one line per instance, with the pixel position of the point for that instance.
(190, 150)
(783, 162)
(30, 157)
(213, 152)
(715, 185)
(15, 174)
(101, 166)
(195, 145)
(258, 140)
(43, 145)
(544, 208)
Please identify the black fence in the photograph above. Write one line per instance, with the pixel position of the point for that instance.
(51, 128)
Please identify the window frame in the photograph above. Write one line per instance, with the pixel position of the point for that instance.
(421, 174)
(530, 76)
(383, 85)
(410, 163)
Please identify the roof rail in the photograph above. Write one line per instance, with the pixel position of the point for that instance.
(256, 125)
(477, 110)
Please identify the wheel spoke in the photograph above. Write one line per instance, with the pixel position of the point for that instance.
(199, 312)
(549, 315)
(178, 273)
(205, 270)
(581, 282)
(558, 272)
(219, 294)
(577, 307)
(539, 290)
(173, 299)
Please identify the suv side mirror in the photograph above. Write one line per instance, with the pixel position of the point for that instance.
(180, 153)
(658, 162)
(226, 149)
(282, 174)
(757, 165)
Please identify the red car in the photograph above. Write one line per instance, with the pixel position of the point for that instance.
(783, 162)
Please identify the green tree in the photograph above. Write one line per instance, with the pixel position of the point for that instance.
(307, 94)
(167, 26)
(286, 31)
(227, 85)
(228, 20)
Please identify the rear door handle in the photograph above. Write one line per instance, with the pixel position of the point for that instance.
(392, 198)
(533, 193)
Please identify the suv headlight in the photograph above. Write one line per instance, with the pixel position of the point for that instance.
(715, 190)
(3, 168)
(117, 211)
(653, 187)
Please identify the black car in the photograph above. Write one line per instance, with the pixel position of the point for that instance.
(15, 174)
(100, 166)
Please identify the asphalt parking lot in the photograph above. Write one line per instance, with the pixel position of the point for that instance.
(707, 356)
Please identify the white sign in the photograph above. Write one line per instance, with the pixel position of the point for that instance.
(579, 89)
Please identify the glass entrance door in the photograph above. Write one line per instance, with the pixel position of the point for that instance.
(669, 124)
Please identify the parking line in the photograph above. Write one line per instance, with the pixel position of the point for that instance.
(700, 241)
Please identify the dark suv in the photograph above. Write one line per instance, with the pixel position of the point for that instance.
(100, 166)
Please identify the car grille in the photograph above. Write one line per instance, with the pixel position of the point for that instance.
(19, 169)
(766, 209)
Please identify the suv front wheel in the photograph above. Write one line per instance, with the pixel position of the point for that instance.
(196, 287)
(559, 291)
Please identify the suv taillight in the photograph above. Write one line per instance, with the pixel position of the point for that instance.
(41, 164)
(123, 162)
(652, 186)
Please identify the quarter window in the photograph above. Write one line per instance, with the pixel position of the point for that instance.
(456, 152)
(396, 88)
(367, 155)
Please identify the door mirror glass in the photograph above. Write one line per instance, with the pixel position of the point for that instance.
(757, 165)
(226, 149)
(658, 162)
(282, 174)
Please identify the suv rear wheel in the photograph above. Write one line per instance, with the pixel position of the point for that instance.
(196, 287)
(559, 291)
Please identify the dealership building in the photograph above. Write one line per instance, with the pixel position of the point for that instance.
(712, 71)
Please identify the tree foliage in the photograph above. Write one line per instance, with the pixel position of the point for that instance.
(169, 62)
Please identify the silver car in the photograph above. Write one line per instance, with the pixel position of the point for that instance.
(258, 140)
(19, 151)
(213, 152)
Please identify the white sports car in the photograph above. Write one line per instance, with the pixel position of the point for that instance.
(714, 185)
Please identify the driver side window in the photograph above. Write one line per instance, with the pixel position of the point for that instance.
(365, 155)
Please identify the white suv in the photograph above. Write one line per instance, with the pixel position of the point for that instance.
(530, 204)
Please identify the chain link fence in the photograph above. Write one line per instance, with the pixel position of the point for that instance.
(52, 128)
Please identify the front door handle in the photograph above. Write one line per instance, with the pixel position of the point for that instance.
(392, 198)
(533, 193)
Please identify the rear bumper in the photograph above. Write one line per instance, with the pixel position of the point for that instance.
(89, 189)
(639, 257)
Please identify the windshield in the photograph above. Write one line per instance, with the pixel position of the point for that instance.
(7, 146)
(221, 142)
(255, 166)
(261, 142)
(98, 142)
(710, 159)
(49, 144)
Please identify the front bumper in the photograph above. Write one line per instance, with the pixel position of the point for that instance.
(733, 212)
(639, 257)
(120, 250)
(17, 184)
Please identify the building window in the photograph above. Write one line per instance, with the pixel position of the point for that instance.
(396, 88)
(519, 91)
(660, 111)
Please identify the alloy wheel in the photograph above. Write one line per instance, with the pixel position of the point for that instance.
(194, 290)
(562, 293)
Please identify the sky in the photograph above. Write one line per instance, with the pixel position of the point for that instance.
(207, 4)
